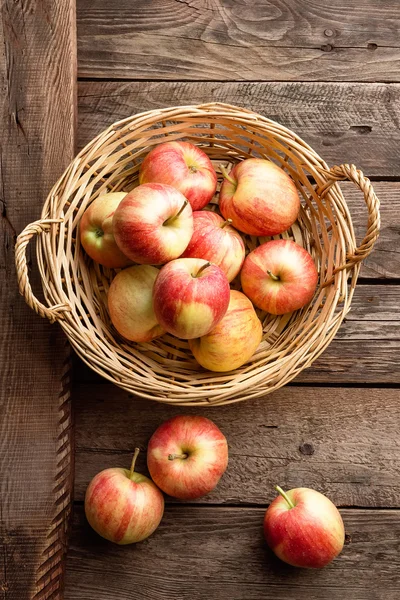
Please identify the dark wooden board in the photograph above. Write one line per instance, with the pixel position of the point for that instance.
(348, 122)
(275, 40)
(366, 349)
(340, 441)
(38, 100)
(210, 553)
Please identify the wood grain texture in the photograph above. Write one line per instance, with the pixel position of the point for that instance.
(275, 40)
(38, 102)
(354, 123)
(343, 442)
(210, 553)
(366, 349)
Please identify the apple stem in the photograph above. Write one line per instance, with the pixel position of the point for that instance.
(173, 456)
(274, 277)
(182, 208)
(284, 495)
(199, 272)
(225, 223)
(135, 455)
(226, 175)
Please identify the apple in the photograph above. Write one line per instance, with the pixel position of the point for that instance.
(123, 506)
(153, 224)
(190, 297)
(96, 231)
(184, 166)
(304, 528)
(186, 456)
(259, 197)
(279, 277)
(233, 341)
(130, 303)
(215, 240)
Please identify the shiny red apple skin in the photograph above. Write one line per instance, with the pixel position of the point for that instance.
(233, 340)
(150, 226)
(292, 264)
(262, 200)
(184, 166)
(123, 510)
(216, 241)
(309, 535)
(96, 232)
(199, 473)
(190, 297)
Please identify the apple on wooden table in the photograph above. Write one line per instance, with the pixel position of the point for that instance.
(279, 277)
(153, 224)
(190, 297)
(259, 197)
(96, 232)
(304, 528)
(130, 303)
(215, 240)
(184, 166)
(122, 505)
(233, 340)
(186, 456)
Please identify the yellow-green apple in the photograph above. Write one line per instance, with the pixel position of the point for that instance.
(233, 341)
(153, 224)
(215, 240)
(184, 166)
(259, 197)
(190, 297)
(186, 456)
(123, 506)
(96, 231)
(279, 276)
(130, 303)
(304, 528)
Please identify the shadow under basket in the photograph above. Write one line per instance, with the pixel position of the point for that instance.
(75, 288)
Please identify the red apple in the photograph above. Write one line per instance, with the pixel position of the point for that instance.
(217, 241)
(153, 224)
(96, 231)
(190, 297)
(233, 341)
(187, 456)
(123, 506)
(184, 166)
(279, 277)
(130, 303)
(259, 197)
(304, 528)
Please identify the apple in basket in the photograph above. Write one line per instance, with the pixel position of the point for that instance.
(122, 505)
(259, 197)
(190, 297)
(304, 528)
(233, 341)
(215, 240)
(279, 276)
(153, 224)
(96, 231)
(186, 456)
(130, 303)
(184, 166)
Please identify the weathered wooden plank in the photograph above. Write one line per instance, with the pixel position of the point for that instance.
(38, 103)
(201, 553)
(271, 40)
(344, 442)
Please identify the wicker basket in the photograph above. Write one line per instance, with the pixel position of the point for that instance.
(75, 288)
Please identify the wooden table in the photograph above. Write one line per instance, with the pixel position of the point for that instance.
(331, 72)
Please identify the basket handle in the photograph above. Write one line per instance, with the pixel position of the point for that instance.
(350, 172)
(37, 227)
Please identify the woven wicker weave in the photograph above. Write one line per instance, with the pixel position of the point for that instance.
(75, 288)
